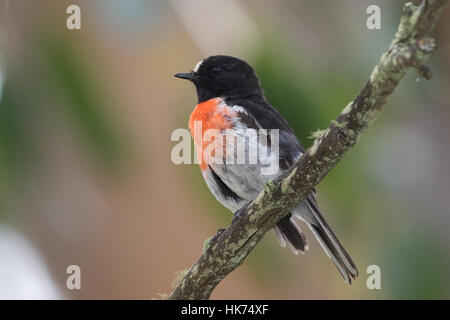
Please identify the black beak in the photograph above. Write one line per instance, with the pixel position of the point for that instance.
(187, 76)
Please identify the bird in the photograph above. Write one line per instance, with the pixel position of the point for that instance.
(230, 100)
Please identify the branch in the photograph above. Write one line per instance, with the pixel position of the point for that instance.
(410, 48)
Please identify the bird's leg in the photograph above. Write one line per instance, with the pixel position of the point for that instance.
(236, 216)
(239, 213)
(219, 232)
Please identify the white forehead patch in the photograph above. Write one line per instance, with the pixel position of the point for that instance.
(197, 66)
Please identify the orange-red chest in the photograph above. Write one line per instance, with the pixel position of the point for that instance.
(210, 114)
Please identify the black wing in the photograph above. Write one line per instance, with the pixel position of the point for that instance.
(260, 114)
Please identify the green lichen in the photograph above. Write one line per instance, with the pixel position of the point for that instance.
(162, 296)
(206, 244)
(286, 185)
(347, 108)
(317, 134)
(270, 186)
(339, 124)
(179, 275)
(370, 116)
(408, 21)
(313, 149)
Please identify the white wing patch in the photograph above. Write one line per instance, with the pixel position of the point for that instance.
(239, 109)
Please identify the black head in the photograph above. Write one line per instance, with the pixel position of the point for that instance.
(223, 76)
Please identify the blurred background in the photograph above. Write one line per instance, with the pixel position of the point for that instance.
(85, 171)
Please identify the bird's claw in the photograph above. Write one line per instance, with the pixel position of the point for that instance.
(219, 232)
(238, 213)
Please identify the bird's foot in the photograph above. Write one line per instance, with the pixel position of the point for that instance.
(239, 213)
(217, 235)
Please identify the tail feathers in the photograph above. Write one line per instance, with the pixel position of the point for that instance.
(288, 232)
(336, 252)
(325, 235)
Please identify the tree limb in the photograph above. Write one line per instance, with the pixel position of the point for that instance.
(411, 46)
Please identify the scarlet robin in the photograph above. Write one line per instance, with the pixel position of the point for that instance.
(230, 98)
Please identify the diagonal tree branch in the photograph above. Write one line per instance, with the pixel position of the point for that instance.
(411, 46)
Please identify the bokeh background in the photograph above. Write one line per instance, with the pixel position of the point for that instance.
(85, 172)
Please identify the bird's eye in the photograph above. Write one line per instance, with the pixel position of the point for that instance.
(216, 70)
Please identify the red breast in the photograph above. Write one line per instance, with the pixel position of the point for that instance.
(211, 114)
